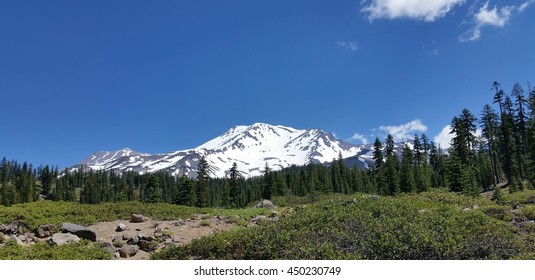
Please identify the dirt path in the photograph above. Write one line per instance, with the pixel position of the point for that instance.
(165, 232)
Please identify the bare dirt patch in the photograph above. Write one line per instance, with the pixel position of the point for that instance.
(160, 233)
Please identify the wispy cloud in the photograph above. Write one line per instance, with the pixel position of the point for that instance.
(427, 10)
(357, 137)
(492, 17)
(353, 46)
(404, 131)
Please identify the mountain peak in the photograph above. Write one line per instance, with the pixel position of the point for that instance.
(251, 147)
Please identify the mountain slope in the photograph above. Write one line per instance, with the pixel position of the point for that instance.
(251, 147)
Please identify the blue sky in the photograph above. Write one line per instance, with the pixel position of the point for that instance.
(78, 77)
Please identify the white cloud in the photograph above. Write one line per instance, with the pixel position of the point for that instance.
(495, 17)
(350, 45)
(525, 5)
(404, 131)
(358, 137)
(443, 139)
(427, 10)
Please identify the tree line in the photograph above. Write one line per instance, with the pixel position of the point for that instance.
(503, 153)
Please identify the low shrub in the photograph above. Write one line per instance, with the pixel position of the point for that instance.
(83, 250)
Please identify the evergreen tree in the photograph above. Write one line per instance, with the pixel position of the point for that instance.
(390, 170)
(489, 122)
(202, 183)
(378, 154)
(234, 186)
(407, 172)
(186, 191)
(268, 183)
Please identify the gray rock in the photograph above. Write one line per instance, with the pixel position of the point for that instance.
(13, 228)
(44, 231)
(145, 245)
(80, 231)
(133, 241)
(143, 236)
(120, 227)
(108, 248)
(137, 218)
(258, 219)
(128, 251)
(118, 238)
(265, 204)
(127, 236)
(64, 238)
(177, 239)
(16, 240)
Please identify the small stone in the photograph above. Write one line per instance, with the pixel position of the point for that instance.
(133, 241)
(116, 255)
(64, 238)
(120, 227)
(145, 245)
(16, 239)
(127, 236)
(108, 248)
(265, 204)
(137, 218)
(177, 239)
(44, 231)
(118, 238)
(158, 234)
(23, 238)
(128, 251)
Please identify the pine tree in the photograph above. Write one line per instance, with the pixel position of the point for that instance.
(497, 196)
(489, 122)
(154, 192)
(378, 154)
(186, 191)
(202, 183)
(234, 186)
(390, 170)
(268, 183)
(407, 171)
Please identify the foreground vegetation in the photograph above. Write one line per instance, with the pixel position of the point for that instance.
(431, 225)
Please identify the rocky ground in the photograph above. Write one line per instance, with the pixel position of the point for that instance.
(136, 238)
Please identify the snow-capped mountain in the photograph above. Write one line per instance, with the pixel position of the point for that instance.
(251, 147)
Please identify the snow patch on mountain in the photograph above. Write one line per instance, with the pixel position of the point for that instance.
(251, 147)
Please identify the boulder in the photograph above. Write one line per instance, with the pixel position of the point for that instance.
(133, 241)
(64, 238)
(15, 239)
(145, 245)
(108, 248)
(128, 251)
(80, 231)
(120, 227)
(44, 231)
(258, 219)
(137, 218)
(265, 204)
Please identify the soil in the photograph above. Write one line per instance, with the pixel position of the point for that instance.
(174, 231)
